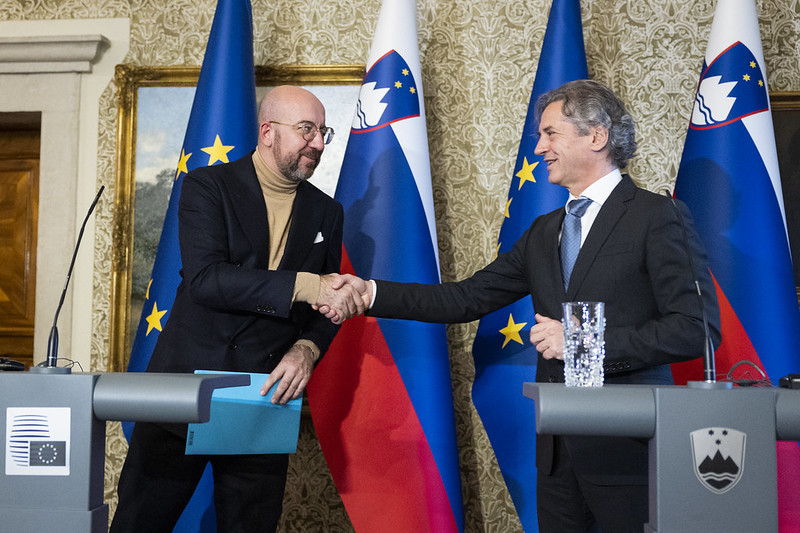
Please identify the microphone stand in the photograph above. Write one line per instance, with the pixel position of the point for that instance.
(49, 366)
(709, 366)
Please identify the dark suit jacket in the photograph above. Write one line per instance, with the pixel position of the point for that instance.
(634, 259)
(230, 312)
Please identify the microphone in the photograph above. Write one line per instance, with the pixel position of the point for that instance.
(709, 366)
(52, 342)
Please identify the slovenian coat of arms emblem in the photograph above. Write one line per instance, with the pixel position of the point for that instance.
(718, 457)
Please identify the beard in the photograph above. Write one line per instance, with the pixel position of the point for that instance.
(289, 164)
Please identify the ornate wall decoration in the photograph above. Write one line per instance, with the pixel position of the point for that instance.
(479, 60)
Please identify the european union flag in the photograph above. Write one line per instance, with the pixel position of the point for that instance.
(504, 357)
(222, 127)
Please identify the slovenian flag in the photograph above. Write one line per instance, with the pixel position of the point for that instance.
(381, 399)
(222, 128)
(729, 178)
(504, 356)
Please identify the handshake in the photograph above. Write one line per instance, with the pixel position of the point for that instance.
(342, 296)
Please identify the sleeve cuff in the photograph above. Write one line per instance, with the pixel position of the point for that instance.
(306, 288)
(311, 346)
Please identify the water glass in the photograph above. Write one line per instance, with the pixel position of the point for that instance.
(584, 348)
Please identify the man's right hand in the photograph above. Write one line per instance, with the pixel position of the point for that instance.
(343, 296)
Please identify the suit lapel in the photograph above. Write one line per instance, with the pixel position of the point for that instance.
(306, 224)
(249, 206)
(552, 250)
(613, 209)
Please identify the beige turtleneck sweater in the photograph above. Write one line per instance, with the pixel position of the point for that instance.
(279, 194)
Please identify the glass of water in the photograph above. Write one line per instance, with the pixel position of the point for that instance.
(584, 348)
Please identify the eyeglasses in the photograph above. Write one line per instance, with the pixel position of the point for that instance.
(309, 131)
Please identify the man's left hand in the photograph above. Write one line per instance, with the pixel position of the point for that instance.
(547, 335)
(293, 371)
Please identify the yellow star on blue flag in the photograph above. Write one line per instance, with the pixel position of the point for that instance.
(526, 172)
(154, 319)
(217, 152)
(182, 168)
(511, 331)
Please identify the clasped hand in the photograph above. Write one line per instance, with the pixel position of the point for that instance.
(342, 296)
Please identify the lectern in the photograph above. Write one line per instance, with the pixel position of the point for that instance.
(52, 431)
(712, 451)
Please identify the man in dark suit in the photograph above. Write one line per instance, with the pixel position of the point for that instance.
(632, 256)
(259, 246)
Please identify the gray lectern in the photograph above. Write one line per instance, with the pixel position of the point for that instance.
(53, 438)
(712, 451)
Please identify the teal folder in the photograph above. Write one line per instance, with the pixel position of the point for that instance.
(244, 422)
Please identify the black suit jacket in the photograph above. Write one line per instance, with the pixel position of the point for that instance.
(634, 259)
(230, 311)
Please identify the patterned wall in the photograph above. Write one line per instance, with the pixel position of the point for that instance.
(479, 61)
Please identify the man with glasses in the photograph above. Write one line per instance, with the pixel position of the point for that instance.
(259, 246)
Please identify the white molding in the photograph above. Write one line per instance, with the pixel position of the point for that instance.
(50, 53)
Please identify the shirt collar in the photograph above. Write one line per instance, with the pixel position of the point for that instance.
(599, 191)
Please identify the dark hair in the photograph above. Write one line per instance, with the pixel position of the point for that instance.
(587, 104)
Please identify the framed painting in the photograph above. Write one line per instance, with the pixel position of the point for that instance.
(153, 110)
(786, 120)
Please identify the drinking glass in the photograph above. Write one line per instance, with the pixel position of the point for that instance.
(584, 347)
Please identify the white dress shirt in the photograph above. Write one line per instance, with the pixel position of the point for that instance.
(598, 192)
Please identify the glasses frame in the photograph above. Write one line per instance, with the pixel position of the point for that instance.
(310, 136)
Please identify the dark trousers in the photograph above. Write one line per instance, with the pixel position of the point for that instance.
(158, 480)
(567, 503)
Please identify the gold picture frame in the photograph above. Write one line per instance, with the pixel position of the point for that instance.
(129, 80)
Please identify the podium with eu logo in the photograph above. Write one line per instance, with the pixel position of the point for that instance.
(712, 451)
(52, 428)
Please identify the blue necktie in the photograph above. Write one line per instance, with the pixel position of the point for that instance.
(571, 236)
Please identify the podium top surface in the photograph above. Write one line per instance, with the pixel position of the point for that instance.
(630, 410)
(610, 410)
(134, 396)
(157, 397)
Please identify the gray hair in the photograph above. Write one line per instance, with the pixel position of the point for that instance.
(587, 104)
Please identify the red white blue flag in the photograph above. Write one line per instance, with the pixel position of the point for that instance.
(729, 178)
(381, 399)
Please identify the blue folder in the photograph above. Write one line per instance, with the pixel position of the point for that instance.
(244, 422)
